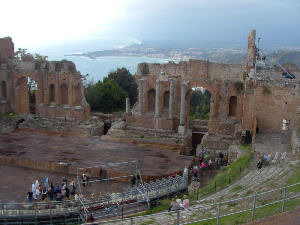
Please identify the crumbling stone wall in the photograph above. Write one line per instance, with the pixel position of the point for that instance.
(271, 102)
(6, 49)
(59, 93)
(236, 100)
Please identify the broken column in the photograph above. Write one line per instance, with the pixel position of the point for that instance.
(171, 98)
(157, 86)
(181, 127)
(127, 105)
(141, 97)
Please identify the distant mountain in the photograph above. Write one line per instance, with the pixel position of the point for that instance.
(212, 53)
(286, 56)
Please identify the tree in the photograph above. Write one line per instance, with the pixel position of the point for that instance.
(200, 105)
(126, 81)
(106, 97)
(20, 53)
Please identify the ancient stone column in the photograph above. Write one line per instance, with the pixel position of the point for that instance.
(127, 105)
(181, 128)
(171, 98)
(141, 97)
(157, 86)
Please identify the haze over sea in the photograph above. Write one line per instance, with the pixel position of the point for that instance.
(96, 68)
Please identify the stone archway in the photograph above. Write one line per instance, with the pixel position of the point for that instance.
(151, 100)
(3, 90)
(64, 94)
(51, 93)
(166, 100)
(232, 106)
(26, 95)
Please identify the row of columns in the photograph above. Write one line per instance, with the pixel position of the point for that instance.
(183, 86)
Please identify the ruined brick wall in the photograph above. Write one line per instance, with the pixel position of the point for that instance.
(6, 49)
(59, 93)
(271, 102)
(218, 79)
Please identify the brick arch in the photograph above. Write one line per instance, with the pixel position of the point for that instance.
(232, 110)
(77, 93)
(51, 93)
(3, 90)
(64, 94)
(166, 98)
(21, 101)
(151, 100)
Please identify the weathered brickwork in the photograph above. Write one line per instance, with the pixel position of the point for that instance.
(164, 98)
(59, 93)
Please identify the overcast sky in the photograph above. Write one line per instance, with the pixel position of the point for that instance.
(34, 23)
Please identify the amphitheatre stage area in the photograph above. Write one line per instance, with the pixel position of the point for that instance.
(57, 154)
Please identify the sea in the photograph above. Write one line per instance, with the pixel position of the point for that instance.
(97, 68)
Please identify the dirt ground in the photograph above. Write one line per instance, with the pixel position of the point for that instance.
(89, 151)
(15, 182)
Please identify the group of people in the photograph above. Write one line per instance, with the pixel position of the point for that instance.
(206, 162)
(263, 160)
(177, 203)
(46, 189)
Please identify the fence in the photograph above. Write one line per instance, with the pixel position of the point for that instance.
(79, 209)
(248, 205)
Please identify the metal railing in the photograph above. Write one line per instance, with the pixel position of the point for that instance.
(249, 204)
(141, 193)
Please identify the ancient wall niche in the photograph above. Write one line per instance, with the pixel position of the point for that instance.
(51, 93)
(3, 90)
(64, 94)
(166, 100)
(232, 106)
(151, 100)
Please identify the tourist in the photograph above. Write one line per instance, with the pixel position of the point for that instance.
(30, 196)
(202, 150)
(133, 181)
(100, 174)
(64, 181)
(83, 179)
(46, 182)
(87, 178)
(58, 189)
(33, 189)
(195, 171)
(186, 202)
(174, 205)
(44, 193)
(178, 200)
(67, 192)
(203, 165)
(209, 164)
(259, 164)
(221, 158)
(50, 194)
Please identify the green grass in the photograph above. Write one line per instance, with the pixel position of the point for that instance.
(8, 116)
(295, 178)
(259, 213)
(226, 174)
(221, 179)
(236, 188)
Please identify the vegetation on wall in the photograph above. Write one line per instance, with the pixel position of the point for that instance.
(266, 91)
(200, 105)
(239, 86)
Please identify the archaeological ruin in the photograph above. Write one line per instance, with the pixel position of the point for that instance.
(244, 97)
(59, 91)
